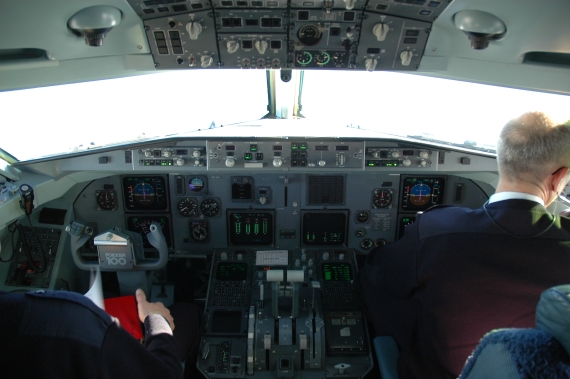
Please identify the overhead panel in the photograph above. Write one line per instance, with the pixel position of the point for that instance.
(372, 35)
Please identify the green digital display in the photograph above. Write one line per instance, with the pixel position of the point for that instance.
(334, 272)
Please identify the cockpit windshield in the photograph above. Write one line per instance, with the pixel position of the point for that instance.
(76, 117)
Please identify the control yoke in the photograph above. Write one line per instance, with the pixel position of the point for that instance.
(117, 249)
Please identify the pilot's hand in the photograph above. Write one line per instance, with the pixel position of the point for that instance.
(145, 308)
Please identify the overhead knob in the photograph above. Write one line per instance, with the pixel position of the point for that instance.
(349, 4)
(148, 153)
(261, 46)
(207, 60)
(194, 29)
(167, 154)
(262, 200)
(424, 154)
(371, 64)
(277, 162)
(406, 162)
(423, 163)
(322, 163)
(406, 57)
(232, 46)
(196, 154)
(380, 30)
(395, 154)
(230, 162)
(180, 162)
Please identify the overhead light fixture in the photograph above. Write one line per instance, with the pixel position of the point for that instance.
(93, 23)
(480, 27)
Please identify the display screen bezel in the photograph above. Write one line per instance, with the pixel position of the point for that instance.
(408, 206)
(234, 239)
(312, 227)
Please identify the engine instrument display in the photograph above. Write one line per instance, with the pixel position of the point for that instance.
(324, 228)
(141, 224)
(419, 194)
(145, 193)
(250, 228)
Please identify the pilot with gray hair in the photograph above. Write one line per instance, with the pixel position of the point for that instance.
(458, 273)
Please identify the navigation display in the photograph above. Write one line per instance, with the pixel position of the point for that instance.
(144, 193)
(250, 228)
(334, 272)
(324, 228)
(420, 193)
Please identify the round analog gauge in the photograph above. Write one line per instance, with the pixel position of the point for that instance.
(322, 58)
(420, 194)
(210, 207)
(304, 57)
(360, 232)
(144, 194)
(199, 232)
(196, 184)
(380, 242)
(107, 200)
(188, 207)
(362, 216)
(366, 243)
(381, 198)
(309, 35)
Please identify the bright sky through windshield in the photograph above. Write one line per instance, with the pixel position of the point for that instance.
(51, 120)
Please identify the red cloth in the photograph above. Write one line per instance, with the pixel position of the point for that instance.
(125, 309)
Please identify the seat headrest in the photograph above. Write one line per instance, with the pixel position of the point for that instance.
(553, 314)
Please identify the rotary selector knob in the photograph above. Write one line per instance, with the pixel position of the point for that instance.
(406, 162)
(376, 154)
(224, 256)
(423, 163)
(395, 154)
(371, 65)
(406, 57)
(206, 60)
(167, 154)
(230, 162)
(262, 200)
(424, 154)
(261, 46)
(322, 163)
(325, 256)
(380, 30)
(196, 154)
(148, 153)
(232, 46)
(180, 162)
(277, 162)
(197, 162)
(194, 29)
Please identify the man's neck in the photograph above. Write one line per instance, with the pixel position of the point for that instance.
(523, 187)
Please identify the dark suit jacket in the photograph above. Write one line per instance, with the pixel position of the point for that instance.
(57, 334)
(456, 275)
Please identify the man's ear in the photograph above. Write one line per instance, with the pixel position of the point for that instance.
(559, 179)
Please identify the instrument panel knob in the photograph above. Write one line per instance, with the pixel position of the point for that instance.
(166, 153)
(277, 162)
(230, 162)
(180, 162)
(322, 163)
(406, 162)
(148, 153)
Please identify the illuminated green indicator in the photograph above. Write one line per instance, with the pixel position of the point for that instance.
(256, 228)
(238, 227)
(252, 147)
(247, 156)
(264, 227)
(303, 146)
(294, 146)
(371, 164)
(247, 228)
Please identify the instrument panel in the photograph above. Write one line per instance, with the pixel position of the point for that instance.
(280, 194)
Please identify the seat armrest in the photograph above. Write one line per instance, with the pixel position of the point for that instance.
(387, 354)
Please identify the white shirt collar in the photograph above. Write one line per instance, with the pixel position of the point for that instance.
(515, 195)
